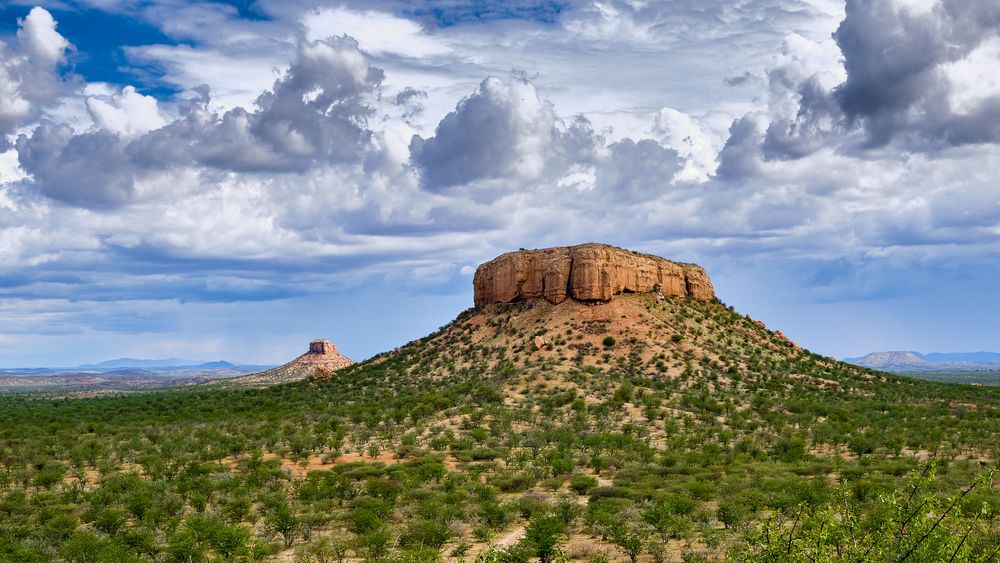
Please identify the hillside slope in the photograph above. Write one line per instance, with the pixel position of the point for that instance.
(700, 358)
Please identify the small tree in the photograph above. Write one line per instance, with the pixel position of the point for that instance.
(543, 536)
(82, 547)
(282, 521)
(629, 533)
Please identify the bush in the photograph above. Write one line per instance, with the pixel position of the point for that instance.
(629, 533)
(542, 536)
(513, 482)
(363, 520)
(425, 533)
(492, 515)
(566, 510)
(609, 341)
(375, 544)
(934, 530)
(530, 505)
(732, 511)
(582, 484)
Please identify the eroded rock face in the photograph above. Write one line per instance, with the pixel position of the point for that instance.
(324, 347)
(588, 272)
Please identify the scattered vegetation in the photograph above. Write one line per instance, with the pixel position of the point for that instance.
(475, 445)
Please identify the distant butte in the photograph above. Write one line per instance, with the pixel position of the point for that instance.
(323, 354)
(322, 360)
(586, 272)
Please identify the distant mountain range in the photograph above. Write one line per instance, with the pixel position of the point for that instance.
(121, 374)
(132, 364)
(909, 361)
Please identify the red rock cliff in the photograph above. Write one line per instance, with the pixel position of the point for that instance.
(588, 272)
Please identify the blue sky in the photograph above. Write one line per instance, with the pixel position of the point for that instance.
(230, 180)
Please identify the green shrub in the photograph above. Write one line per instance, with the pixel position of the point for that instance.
(425, 533)
(582, 484)
(542, 536)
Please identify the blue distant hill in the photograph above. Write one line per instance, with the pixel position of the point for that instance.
(134, 363)
(909, 361)
(976, 357)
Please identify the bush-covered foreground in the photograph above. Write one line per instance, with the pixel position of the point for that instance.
(520, 433)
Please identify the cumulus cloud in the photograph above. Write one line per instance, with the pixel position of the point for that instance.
(636, 172)
(38, 37)
(691, 140)
(315, 114)
(128, 114)
(89, 170)
(801, 109)
(894, 59)
(740, 158)
(900, 83)
(502, 129)
(317, 111)
(504, 139)
(29, 81)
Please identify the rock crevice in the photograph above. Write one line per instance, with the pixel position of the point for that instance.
(587, 272)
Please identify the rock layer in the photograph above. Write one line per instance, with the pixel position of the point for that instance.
(588, 272)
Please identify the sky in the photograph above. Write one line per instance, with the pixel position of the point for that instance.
(228, 180)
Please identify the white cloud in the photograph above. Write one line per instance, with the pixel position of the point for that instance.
(29, 81)
(502, 129)
(235, 79)
(128, 114)
(692, 141)
(14, 108)
(611, 21)
(10, 171)
(39, 38)
(974, 79)
(378, 33)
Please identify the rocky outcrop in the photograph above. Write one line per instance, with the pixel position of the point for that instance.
(321, 360)
(588, 272)
(323, 354)
(322, 348)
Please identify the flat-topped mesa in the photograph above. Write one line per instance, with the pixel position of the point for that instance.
(587, 272)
